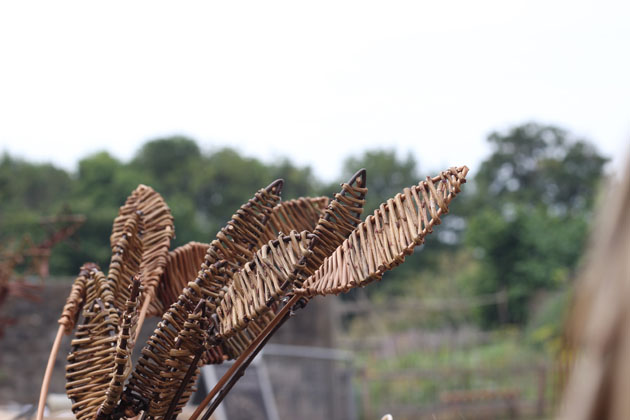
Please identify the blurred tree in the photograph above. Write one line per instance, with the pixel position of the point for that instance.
(528, 216)
(535, 165)
(172, 164)
(27, 192)
(225, 182)
(30, 186)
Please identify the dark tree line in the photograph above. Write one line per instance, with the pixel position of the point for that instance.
(519, 227)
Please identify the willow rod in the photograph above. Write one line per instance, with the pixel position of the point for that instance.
(253, 349)
(43, 394)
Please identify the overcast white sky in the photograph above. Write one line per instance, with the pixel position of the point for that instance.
(315, 81)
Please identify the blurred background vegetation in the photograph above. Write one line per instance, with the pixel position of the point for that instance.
(502, 263)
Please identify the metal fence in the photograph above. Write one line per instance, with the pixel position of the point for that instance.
(289, 381)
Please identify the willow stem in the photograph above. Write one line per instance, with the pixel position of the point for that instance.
(43, 394)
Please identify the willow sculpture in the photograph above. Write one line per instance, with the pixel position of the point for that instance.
(224, 300)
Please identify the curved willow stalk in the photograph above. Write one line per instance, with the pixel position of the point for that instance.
(381, 242)
(232, 249)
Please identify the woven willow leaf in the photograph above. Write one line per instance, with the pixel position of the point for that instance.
(89, 369)
(298, 214)
(140, 239)
(225, 255)
(156, 235)
(339, 220)
(126, 258)
(97, 334)
(261, 282)
(182, 266)
(381, 242)
(82, 290)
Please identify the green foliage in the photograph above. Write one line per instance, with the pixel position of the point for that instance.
(529, 214)
(202, 190)
(30, 185)
(519, 228)
(536, 165)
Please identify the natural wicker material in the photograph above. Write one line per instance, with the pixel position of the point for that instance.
(76, 299)
(386, 237)
(157, 232)
(91, 359)
(233, 304)
(298, 214)
(122, 357)
(339, 220)
(226, 254)
(333, 224)
(244, 285)
(178, 387)
(182, 266)
(261, 282)
(393, 231)
(140, 240)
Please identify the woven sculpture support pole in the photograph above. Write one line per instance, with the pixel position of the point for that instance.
(180, 390)
(143, 312)
(43, 394)
(234, 373)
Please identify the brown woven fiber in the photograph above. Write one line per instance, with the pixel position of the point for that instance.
(226, 299)
(392, 221)
(248, 306)
(182, 266)
(78, 296)
(89, 370)
(339, 220)
(226, 254)
(386, 237)
(298, 214)
(126, 258)
(332, 226)
(122, 358)
(189, 345)
(140, 239)
(157, 232)
(261, 282)
(235, 344)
